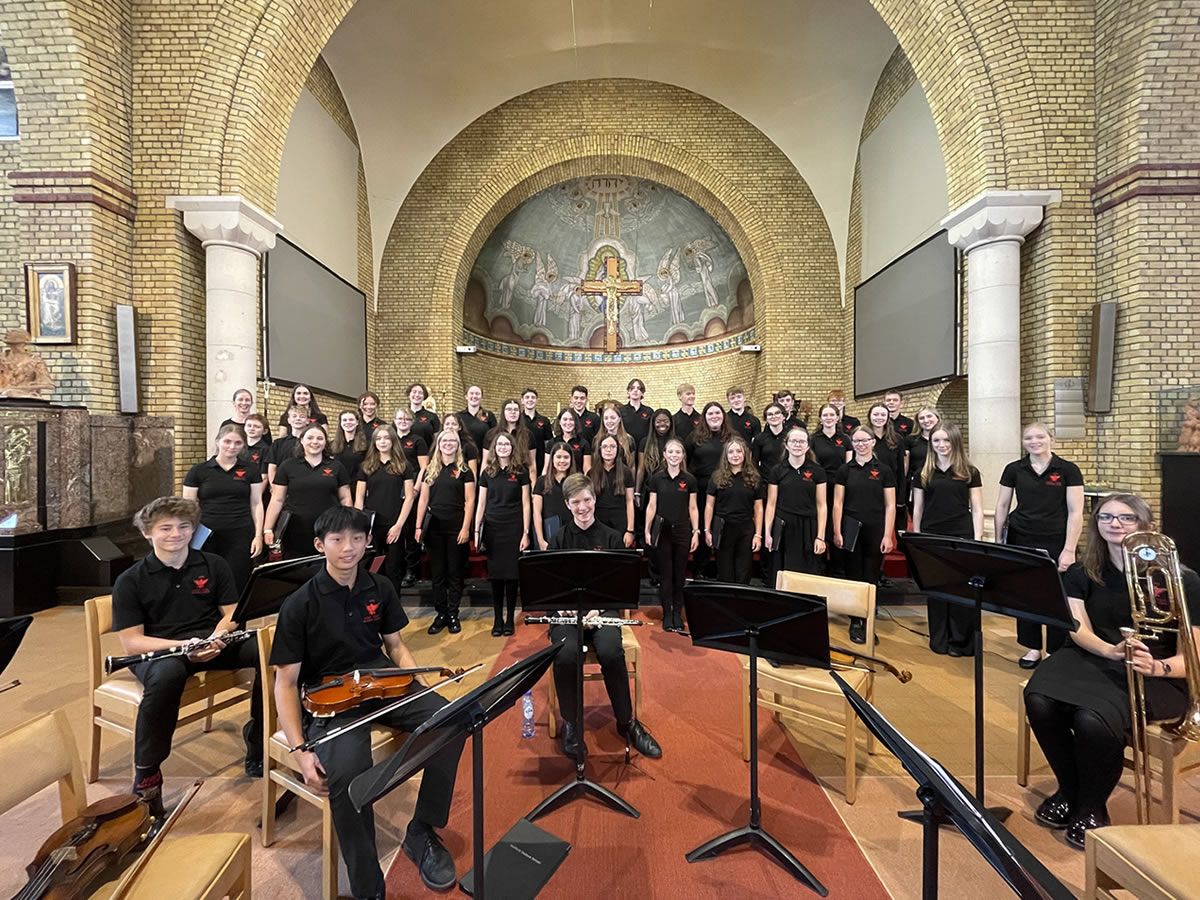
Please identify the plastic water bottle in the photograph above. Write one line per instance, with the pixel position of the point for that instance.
(527, 727)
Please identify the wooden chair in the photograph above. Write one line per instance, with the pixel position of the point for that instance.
(1151, 862)
(633, 662)
(810, 695)
(200, 867)
(279, 771)
(1171, 759)
(115, 698)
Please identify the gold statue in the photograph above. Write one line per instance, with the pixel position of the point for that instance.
(23, 374)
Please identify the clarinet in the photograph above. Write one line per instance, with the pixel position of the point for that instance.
(117, 663)
(594, 622)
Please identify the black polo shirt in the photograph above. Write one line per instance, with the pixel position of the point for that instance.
(703, 458)
(385, 491)
(797, 488)
(311, 489)
(686, 423)
(174, 603)
(671, 496)
(427, 425)
(830, 451)
(894, 458)
(947, 503)
(1041, 499)
(266, 435)
(610, 503)
(469, 451)
(904, 425)
(795, 421)
(257, 454)
(477, 425)
(589, 425)
(223, 494)
(448, 493)
(282, 450)
(579, 449)
(637, 421)
(553, 503)
(769, 449)
(598, 537)
(369, 426)
(918, 452)
(744, 423)
(322, 420)
(504, 495)
(849, 423)
(735, 503)
(864, 486)
(333, 630)
(413, 446)
(541, 435)
(351, 459)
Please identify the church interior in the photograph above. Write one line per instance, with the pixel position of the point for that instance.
(953, 241)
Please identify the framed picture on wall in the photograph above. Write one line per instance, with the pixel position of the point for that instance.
(50, 302)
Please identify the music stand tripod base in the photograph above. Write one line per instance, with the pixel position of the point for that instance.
(756, 837)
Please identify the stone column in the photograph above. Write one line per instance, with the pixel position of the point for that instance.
(234, 234)
(990, 230)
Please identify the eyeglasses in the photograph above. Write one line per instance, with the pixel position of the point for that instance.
(1123, 518)
(796, 443)
(862, 440)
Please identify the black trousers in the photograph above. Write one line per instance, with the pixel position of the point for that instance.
(607, 644)
(504, 589)
(865, 561)
(298, 537)
(735, 555)
(1029, 634)
(349, 755)
(162, 688)
(672, 553)
(701, 559)
(233, 546)
(1085, 754)
(393, 554)
(447, 564)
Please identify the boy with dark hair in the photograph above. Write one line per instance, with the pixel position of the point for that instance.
(589, 422)
(541, 432)
(345, 619)
(172, 595)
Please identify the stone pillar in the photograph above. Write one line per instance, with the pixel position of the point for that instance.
(990, 230)
(234, 235)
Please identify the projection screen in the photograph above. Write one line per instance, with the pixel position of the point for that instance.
(315, 324)
(906, 320)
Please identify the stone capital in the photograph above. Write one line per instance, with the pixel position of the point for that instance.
(227, 220)
(997, 215)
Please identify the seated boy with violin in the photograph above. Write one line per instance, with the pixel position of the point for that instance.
(176, 593)
(346, 618)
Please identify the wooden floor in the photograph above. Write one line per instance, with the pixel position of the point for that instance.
(934, 710)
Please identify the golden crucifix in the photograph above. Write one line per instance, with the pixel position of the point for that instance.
(614, 289)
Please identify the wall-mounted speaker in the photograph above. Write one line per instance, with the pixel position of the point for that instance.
(1101, 354)
(127, 358)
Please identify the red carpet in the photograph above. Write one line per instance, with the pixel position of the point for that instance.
(692, 704)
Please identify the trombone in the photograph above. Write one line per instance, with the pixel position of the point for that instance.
(1159, 609)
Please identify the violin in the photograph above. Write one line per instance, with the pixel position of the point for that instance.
(73, 858)
(343, 692)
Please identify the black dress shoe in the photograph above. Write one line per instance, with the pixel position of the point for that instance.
(858, 630)
(570, 741)
(434, 862)
(509, 629)
(498, 629)
(439, 622)
(954, 651)
(676, 621)
(642, 740)
(1081, 825)
(408, 580)
(452, 624)
(1054, 812)
(254, 766)
(1026, 663)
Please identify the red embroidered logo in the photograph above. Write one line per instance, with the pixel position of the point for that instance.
(839, 442)
(683, 485)
(255, 456)
(326, 471)
(747, 423)
(454, 471)
(372, 611)
(1054, 478)
(201, 585)
(904, 426)
(874, 474)
(239, 473)
(408, 445)
(645, 414)
(512, 476)
(808, 475)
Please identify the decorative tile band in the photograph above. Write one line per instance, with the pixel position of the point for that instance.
(576, 356)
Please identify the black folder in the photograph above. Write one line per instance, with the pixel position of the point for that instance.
(550, 527)
(656, 527)
(850, 531)
(717, 528)
(777, 535)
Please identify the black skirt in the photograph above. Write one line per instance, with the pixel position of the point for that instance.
(502, 545)
(799, 533)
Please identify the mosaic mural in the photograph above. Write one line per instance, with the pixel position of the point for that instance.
(608, 263)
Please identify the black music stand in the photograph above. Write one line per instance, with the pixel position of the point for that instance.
(521, 863)
(580, 580)
(788, 628)
(12, 632)
(272, 583)
(1012, 581)
(943, 799)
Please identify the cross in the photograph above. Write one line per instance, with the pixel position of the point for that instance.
(611, 287)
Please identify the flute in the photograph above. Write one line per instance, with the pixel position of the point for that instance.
(117, 663)
(593, 622)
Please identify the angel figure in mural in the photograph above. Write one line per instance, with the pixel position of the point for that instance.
(578, 306)
(696, 254)
(543, 287)
(637, 307)
(668, 284)
(521, 257)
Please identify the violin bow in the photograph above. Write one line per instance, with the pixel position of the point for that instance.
(131, 873)
(12, 684)
(382, 711)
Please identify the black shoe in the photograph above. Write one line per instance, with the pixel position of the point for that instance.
(149, 789)
(434, 862)
(642, 740)
(954, 651)
(676, 621)
(254, 751)
(439, 622)
(939, 650)
(509, 629)
(497, 628)
(1081, 825)
(408, 580)
(571, 744)
(254, 766)
(858, 630)
(1054, 812)
(1026, 663)
(452, 624)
